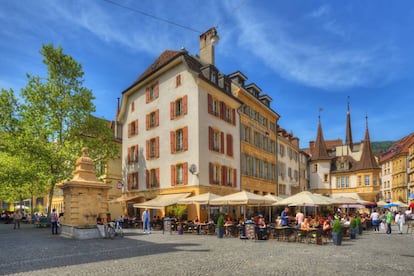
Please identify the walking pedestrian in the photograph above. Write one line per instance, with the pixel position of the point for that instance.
(146, 221)
(375, 220)
(54, 221)
(17, 217)
(400, 220)
(388, 220)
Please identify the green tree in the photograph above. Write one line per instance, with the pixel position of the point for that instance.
(46, 131)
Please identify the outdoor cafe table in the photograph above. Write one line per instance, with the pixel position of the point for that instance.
(281, 232)
(308, 235)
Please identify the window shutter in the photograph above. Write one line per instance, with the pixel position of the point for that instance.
(172, 141)
(222, 142)
(157, 117)
(147, 149)
(233, 116)
(129, 181)
(136, 127)
(224, 176)
(157, 146)
(210, 172)
(222, 110)
(157, 90)
(147, 121)
(185, 138)
(185, 173)
(234, 177)
(178, 80)
(185, 104)
(210, 138)
(210, 104)
(129, 155)
(136, 153)
(229, 145)
(147, 95)
(157, 175)
(147, 180)
(129, 130)
(172, 175)
(172, 110)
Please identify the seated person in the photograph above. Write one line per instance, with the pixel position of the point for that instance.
(278, 221)
(305, 225)
(326, 225)
(262, 228)
(196, 223)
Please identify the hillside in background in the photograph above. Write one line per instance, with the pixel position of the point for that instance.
(381, 146)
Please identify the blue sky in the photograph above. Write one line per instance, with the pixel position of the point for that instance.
(305, 55)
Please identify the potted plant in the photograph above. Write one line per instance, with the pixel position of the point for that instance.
(178, 211)
(337, 232)
(220, 226)
(353, 228)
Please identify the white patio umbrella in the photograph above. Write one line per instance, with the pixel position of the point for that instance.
(305, 199)
(242, 198)
(200, 199)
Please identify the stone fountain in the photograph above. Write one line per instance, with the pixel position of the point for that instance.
(84, 198)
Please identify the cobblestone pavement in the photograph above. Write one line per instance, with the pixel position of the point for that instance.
(34, 251)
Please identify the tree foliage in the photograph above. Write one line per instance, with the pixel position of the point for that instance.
(43, 134)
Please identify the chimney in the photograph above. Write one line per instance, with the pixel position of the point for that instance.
(207, 42)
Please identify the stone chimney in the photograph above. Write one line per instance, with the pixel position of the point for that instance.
(207, 42)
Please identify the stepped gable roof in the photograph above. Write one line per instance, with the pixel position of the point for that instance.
(320, 152)
(367, 160)
(401, 146)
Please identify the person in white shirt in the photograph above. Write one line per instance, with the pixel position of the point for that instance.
(375, 220)
(299, 218)
(400, 220)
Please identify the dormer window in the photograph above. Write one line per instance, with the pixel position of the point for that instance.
(213, 76)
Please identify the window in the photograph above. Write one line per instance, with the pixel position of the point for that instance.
(133, 154)
(315, 168)
(132, 180)
(132, 106)
(153, 148)
(153, 177)
(214, 174)
(179, 174)
(229, 176)
(133, 128)
(213, 106)
(152, 92)
(359, 181)
(179, 140)
(152, 119)
(325, 178)
(367, 180)
(216, 140)
(178, 108)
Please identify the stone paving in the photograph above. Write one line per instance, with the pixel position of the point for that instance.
(34, 251)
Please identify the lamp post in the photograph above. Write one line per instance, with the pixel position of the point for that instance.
(31, 200)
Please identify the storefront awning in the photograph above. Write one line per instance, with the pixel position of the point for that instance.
(124, 198)
(161, 201)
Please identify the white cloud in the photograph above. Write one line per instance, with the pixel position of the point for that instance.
(312, 60)
(320, 12)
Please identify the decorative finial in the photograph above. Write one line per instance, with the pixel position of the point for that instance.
(320, 111)
(85, 152)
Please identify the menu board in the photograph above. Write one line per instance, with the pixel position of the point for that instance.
(250, 231)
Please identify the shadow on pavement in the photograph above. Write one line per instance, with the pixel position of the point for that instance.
(30, 248)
